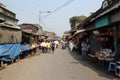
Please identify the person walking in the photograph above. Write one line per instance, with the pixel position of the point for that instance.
(56, 43)
(71, 44)
(84, 49)
(63, 45)
(48, 46)
(43, 45)
(53, 46)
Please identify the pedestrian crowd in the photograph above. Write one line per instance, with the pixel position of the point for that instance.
(49, 46)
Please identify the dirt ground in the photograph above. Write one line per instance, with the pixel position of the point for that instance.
(62, 65)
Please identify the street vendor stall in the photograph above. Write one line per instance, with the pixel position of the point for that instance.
(28, 44)
(30, 38)
(10, 39)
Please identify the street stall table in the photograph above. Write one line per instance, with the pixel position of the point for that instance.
(33, 48)
(24, 50)
(104, 57)
(92, 58)
(118, 68)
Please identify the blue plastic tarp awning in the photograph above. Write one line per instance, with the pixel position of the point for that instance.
(9, 51)
(25, 47)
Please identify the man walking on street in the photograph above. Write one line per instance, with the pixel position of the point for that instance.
(43, 45)
(48, 46)
(53, 46)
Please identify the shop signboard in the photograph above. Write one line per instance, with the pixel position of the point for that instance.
(103, 21)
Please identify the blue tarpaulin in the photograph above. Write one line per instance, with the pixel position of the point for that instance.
(9, 51)
(25, 47)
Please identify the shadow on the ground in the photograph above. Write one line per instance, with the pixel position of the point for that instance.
(102, 71)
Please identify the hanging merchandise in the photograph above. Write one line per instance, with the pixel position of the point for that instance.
(106, 39)
(79, 36)
(110, 33)
(102, 39)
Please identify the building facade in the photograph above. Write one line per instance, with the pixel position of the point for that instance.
(7, 17)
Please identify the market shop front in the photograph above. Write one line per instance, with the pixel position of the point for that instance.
(103, 28)
(106, 35)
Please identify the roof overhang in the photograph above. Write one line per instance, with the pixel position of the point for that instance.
(72, 31)
(79, 31)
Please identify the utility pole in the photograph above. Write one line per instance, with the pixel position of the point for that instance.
(40, 17)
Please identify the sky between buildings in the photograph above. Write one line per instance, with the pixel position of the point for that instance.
(34, 11)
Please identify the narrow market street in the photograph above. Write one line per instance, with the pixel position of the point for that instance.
(62, 65)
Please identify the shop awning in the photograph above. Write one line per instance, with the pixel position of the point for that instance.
(72, 31)
(80, 31)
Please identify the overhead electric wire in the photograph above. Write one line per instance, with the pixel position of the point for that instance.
(62, 6)
(51, 12)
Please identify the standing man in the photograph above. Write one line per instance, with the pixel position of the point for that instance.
(71, 45)
(84, 49)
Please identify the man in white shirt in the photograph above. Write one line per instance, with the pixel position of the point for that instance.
(56, 43)
(43, 45)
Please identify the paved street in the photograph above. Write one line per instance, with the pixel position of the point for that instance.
(62, 65)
